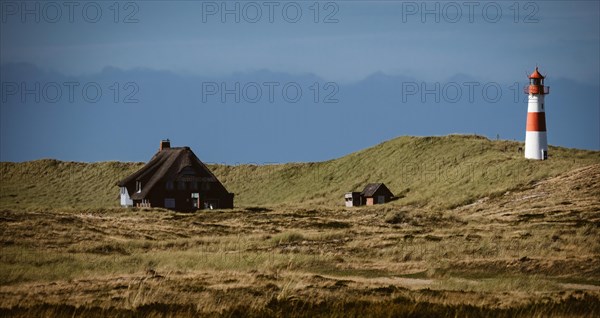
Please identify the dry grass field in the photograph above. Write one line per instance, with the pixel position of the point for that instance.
(529, 248)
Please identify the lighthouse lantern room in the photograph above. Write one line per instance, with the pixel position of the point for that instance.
(536, 142)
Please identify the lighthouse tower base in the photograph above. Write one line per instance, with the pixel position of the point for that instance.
(536, 145)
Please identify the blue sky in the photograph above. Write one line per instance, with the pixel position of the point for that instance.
(393, 38)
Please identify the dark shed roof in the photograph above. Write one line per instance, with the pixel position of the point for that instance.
(372, 188)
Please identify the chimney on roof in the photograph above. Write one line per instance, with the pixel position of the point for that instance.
(164, 144)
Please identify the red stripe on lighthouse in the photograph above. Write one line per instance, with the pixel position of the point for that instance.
(536, 121)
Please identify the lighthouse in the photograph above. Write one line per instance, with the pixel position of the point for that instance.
(536, 142)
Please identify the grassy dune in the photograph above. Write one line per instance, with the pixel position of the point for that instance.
(434, 171)
(479, 231)
(441, 172)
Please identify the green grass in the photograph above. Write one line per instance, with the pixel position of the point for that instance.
(47, 183)
(398, 306)
(288, 237)
(19, 265)
(440, 172)
(500, 283)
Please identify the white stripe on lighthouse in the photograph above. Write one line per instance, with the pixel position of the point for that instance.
(535, 103)
(536, 143)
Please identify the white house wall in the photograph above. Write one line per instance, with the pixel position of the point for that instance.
(125, 199)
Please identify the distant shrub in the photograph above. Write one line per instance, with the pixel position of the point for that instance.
(107, 249)
(257, 209)
(332, 225)
(286, 238)
(395, 217)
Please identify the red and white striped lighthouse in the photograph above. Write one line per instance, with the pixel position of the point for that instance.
(536, 142)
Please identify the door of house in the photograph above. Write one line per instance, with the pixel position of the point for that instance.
(196, 200)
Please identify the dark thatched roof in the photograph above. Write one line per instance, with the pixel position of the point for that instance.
(166, 165)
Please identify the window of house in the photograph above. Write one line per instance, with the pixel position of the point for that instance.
(169, 203)
(138, 186)
(181, 185)
(169, 185)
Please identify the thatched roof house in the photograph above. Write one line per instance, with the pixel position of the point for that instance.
(174, 179)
